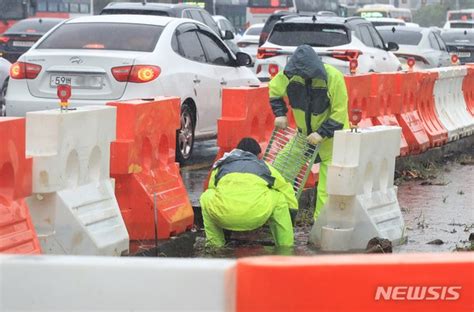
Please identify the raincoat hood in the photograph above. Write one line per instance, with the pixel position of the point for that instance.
(235, 155)
(306, 63)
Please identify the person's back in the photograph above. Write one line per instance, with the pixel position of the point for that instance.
(243, 194)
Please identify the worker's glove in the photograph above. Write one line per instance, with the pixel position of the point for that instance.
(314, 138)
(281, 122)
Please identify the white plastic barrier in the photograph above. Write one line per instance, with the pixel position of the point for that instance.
(362, 201)
(65, 283)
(450, 103)
(73, 205)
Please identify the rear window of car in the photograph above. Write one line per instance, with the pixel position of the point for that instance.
(254, 31)
(104, 36)
(316, 35)
(462, 25)
(33, 26)
(134, 12)
(459, 37)
(404, 37)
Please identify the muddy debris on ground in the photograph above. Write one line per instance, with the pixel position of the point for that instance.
(379, 245)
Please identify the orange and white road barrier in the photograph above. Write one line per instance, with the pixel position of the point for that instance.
(450, 103)
(73, 205)
(362, 201)
(62, 283)
(383, 283)
(144, 168)
(17, 234)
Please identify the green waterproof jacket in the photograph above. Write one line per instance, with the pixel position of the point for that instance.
(316, 91)
(243, 192)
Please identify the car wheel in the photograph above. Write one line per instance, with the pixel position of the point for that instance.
(3, 93)
(185, 135)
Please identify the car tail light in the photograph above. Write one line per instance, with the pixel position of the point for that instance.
(264, 53)
(22, 70)
(273, 70)
(136, 73)
(259, 68)
(346, 55)
(4, 39)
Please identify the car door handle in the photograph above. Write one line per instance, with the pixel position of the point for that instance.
(372, 57)
(384, 58)
(224, 83)
(197, 80)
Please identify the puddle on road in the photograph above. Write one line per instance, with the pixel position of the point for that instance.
(440, 208)
(444, 211)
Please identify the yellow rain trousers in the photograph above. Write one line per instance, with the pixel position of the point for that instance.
(245, 202)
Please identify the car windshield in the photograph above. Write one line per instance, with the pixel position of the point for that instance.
(405, 37)
(33, 26)
(104, 36)
(134, 11)
(254, 31)
(316, 35)
(459, 37)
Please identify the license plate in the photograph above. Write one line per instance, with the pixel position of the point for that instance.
(77, 81)
(24, 44)
(464, 54)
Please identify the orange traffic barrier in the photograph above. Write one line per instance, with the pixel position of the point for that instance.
(17, 233)
(409, 119)
(468, 89)
(425, 105)
(144, 168)
(386, 96)
(360, 98)
(396, 282)
(370, 93)
(246, 112)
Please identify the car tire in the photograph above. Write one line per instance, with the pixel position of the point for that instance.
(185, 135)
(3, 104)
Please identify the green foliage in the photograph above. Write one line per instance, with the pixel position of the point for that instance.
(431, 15)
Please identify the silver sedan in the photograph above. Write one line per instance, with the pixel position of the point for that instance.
(423, 45)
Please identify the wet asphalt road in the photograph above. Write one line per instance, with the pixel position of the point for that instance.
(440, 208)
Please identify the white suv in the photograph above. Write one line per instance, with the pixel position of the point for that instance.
(337, 40)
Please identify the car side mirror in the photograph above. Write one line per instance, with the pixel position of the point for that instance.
(227, 35)
(243, 59)
(392, 46)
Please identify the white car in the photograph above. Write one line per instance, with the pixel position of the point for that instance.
(118, 57)
(424, 45)
(4, 70)
(337, 40)
(248, 43)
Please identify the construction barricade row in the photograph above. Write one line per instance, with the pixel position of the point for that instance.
(404, 282)
(149, 187)
(450, 102)
(17, 233)
(73, 205)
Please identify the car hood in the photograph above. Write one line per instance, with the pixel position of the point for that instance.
(306, 63)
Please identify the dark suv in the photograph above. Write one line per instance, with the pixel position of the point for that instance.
(173, 10)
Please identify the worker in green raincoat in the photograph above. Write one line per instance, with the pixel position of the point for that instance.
(243, 194)
(318, 98)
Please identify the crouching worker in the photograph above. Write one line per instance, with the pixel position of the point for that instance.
(243, 194)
